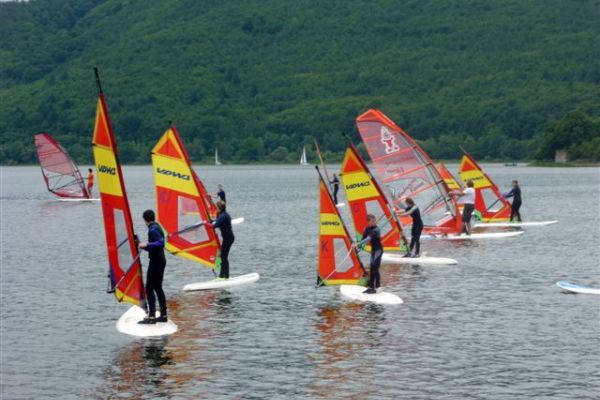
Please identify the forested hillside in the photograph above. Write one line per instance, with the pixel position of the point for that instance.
(258, 79)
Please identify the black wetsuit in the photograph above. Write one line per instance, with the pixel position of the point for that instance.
(417, 228)
(223, 222)
(336, 186)
(221, 194)
(156, 270)
(515, 193)
(372, 235)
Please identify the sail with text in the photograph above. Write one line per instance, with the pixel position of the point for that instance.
(489, 202)
(125, 273)
(339, 263)
(181, 204)
(60, 173)
(448, 177)
(366, 197)
(405, 170)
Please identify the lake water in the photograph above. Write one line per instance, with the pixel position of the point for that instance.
(492, 327)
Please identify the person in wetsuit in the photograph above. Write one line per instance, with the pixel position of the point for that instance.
(515, 193)
(372, 236)
(469, 205)
(155, 246)
(417, 227)
(223, 222)
(220, 193)
(336, 186)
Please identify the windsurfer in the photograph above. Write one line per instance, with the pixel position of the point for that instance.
(469, 205)
(336, 186)
(90, 181)
(515, 193)
(156, 269)
(372, 236)
(220, 193)
(223, 222)
(417, 227)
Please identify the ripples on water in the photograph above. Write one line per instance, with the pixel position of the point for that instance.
(492, 327)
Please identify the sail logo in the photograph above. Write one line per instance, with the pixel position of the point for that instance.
(388, 139)
(358, 185)
(107, 170)
(330, 223)
(174, 174)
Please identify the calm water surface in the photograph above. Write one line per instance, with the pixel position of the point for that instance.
(492, 327)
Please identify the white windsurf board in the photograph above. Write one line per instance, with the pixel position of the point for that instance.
(508, 224)
(76, 199)
(223, 283)
(237, 221)
(354, 292)
(394, 258)
(128, 324)
(474, 236)
(577, 288)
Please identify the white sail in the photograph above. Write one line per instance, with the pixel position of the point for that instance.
(303, 157)
(217, 162)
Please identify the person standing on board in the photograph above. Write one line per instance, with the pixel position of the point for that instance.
(155, 246)
(223, 222)
(90, 181)
(336, 186)
(220, 193)
(417, 227)
(372, 236)
(469, 205)
(515, 193)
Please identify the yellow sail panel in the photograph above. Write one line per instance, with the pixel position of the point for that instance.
(448, 178)
(469, 171)
(331, 225)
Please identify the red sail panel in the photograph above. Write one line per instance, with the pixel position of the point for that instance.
(125, 271)
(60, 173)
(490, 203)
(182, 208)
(338, 262)
(366, 197)
(448, 177)
(405, 170)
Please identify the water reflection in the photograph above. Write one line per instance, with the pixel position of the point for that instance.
(345, 332)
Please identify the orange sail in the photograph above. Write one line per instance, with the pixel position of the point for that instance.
(125, 272)
(448, 177)
(338, 262)
(489, 202)
(405, 170)
(182, 208)
(366, 197)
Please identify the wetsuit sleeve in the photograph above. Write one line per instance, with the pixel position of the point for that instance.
(411, 210)
(367, 237)
(219, 221)
(156, 239)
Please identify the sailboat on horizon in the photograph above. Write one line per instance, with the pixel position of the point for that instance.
(303, 157)
(217, 162)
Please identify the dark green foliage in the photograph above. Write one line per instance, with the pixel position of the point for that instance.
(577, 133)
(260, 79)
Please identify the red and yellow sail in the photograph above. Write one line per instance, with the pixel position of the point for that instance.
(366, 197)
(125, 267)
(182, 209)
(448, 177)
(405, 170)
(490, 203)
(338, 262)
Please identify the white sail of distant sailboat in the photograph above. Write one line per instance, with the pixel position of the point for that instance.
(303, 157)
(217, 162)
